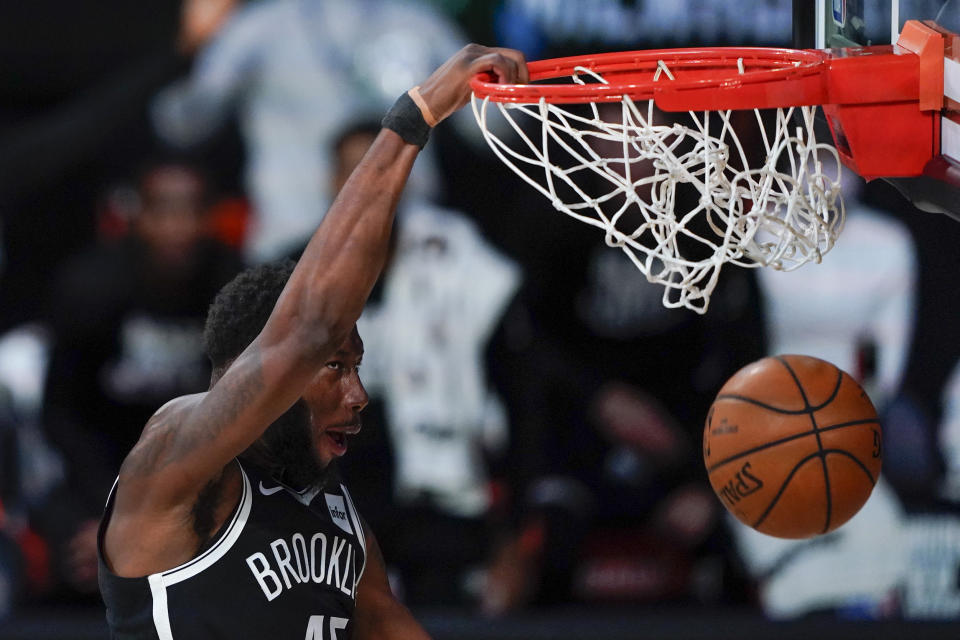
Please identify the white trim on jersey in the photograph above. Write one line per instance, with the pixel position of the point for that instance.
(358, 527)
(113, 490)
(161, 616)
(160, 581)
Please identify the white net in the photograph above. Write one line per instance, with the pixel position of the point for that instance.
(681, 193)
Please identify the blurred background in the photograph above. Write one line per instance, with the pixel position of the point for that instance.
(530, 460)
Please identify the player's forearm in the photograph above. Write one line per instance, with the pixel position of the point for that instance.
(344, 258)
(327, 291)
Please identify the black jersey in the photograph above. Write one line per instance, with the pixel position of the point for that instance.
(285, 565)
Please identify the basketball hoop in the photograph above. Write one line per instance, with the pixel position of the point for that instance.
(688, 159)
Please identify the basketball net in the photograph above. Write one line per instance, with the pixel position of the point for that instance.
(679, 193)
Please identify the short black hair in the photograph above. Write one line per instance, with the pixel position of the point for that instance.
(240, 310)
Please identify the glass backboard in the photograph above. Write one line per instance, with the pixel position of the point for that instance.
(827, 24)
(822, 24)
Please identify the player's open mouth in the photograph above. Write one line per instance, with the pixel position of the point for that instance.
(339, 439)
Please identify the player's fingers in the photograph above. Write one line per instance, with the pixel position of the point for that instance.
(504, 68)
(448, 88)
(520, 60)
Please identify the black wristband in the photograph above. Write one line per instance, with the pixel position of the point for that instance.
(405, 119)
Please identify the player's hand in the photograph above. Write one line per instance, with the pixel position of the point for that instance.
(448, 88)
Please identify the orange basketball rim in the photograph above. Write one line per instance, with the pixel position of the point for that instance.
(691, 159)
(885, 104)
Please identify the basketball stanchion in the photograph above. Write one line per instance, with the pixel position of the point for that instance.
(689, 159)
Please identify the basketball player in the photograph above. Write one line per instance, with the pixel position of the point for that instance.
(220, 524)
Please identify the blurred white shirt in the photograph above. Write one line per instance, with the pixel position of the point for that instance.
(949, 437)
(864, 290)
(295, 72)
(445, 292)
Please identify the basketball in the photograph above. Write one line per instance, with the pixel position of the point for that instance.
(792, 446)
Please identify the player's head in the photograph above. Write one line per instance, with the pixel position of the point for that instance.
(173, 206)
(298, 447)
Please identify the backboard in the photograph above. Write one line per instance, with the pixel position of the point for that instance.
(822, 24)
(827, 24)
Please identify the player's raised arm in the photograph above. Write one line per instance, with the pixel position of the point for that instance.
(189, 442)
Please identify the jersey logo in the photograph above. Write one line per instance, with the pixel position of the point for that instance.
(338, 512)
(268, 492)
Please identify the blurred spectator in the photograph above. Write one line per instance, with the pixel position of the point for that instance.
(433, 418)
(949, 439)
(37, 151)
(912, 419)
(930, 588)
(857, 310)
(296, 71)
(51, 158)
(11, 558)
(53, 130)
(608, 390)
(29, 470)
(24, 353)
(126, 324)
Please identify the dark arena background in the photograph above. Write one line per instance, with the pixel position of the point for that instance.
(530, 459)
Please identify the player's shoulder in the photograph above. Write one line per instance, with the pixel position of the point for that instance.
(169, 413)
(180, 402)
